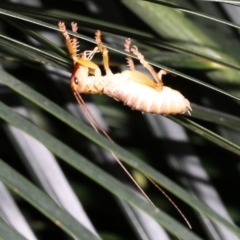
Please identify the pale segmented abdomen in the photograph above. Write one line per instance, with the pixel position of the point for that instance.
(147, 99)
(167, 101)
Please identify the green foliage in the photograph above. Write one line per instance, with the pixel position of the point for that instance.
(174, 35)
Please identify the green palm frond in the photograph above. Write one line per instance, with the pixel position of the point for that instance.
(195, 40)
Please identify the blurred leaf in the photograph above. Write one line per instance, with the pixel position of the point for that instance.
(6, 232)
(174, 25)
(101, 141)
(220, 118)
(192, 12)
(195, 35)
(43, 203)
(23, 188)
(206, 133)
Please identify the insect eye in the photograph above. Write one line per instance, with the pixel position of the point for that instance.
(75, 80)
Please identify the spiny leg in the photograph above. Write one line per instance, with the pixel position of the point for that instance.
(135, 51)
(72, 44)
(129, 59)
(104, 52)
(75, 43)
(86, 54)
(131, 63)
(71, 48)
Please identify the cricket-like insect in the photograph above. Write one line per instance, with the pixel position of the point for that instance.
(131, 87)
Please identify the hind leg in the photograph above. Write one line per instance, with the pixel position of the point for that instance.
(142, 60)
(104, 52)
(134, 49)
(129, 59)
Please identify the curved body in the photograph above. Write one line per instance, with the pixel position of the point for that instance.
(135, 94)
(131, 87)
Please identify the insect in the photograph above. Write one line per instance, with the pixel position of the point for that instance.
(131, 87)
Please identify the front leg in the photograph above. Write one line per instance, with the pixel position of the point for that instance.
(89, 54)
(85, 60)
(71, 44)
(104, 51)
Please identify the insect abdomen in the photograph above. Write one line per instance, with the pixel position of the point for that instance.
(165, 101)
(147, 99)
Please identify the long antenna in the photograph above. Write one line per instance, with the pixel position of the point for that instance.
(72, 45)
(96, 125)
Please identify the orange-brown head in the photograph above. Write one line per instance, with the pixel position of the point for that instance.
(78, 78)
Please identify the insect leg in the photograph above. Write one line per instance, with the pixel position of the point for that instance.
(129, 59)
(104, 52)
(85, 60)
(89, 54)
(142, 60)
(162, 72)
(71, 44)
(74, 39)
